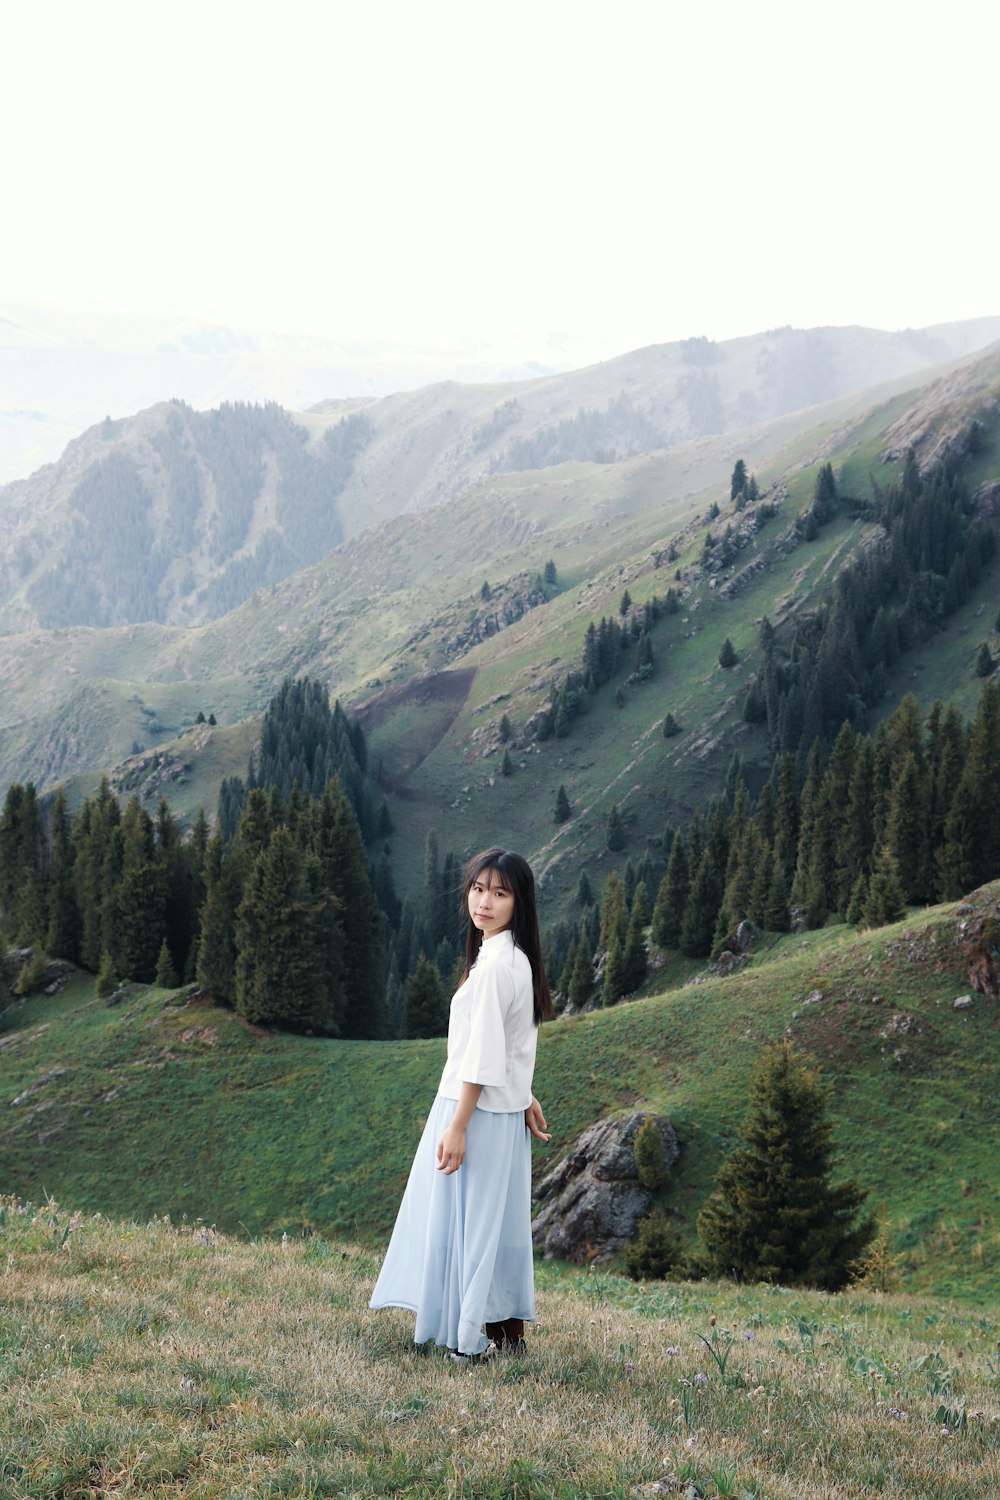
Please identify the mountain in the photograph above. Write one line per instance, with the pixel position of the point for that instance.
(398, 623)
(177, 515)
(63, 371)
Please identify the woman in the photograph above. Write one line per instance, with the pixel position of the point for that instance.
(460, 1255)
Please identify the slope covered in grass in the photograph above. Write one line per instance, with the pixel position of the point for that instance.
(156, 1106)
(168, 1361)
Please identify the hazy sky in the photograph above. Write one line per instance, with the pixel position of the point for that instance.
(618, 173)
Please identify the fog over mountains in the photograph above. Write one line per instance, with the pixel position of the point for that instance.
(60, 372)
(177, 515)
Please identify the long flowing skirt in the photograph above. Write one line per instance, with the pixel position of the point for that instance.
(460, 1254)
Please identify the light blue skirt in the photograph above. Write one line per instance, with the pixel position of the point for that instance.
(460, 1254)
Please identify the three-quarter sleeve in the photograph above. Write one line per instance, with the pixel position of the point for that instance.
(485, 1057)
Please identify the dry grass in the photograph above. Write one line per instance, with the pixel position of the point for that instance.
(170, 1361)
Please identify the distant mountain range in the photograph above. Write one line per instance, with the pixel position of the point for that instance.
(177, 515)
(61, 372)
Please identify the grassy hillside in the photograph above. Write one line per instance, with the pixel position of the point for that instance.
(169, 1360)
(157, 1105)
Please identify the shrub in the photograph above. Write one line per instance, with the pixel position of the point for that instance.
(656, 1250)
(648, 1150)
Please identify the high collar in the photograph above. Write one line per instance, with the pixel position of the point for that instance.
(496, 946)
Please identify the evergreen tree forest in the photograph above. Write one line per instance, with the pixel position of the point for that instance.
(279, 914)
(907, 816)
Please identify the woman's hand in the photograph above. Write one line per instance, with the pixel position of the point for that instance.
(535, 1120)
(451, 1150)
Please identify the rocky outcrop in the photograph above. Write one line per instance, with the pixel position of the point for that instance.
(591, 1203)
(980, 938)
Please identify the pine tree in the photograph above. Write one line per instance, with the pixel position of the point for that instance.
(139, 920)
(701, 910)
(776, 915)
(738, 481)
(282, 973)
(505, 730)
(581, 979)
(107, 979)
(614, 911)
(906, 830)
(215, 970)
(166, 974)
(671, 727)
(506, 765)
(727, 655)
(884, 902)
(984, 661)
(615, 974)
(562, 808)
(338, 845)
(584, 893)
(62, 939)
(625, 604)
(634, 956)
(426, 1002)
(775, 1215)
(614, 838)
(672, 895)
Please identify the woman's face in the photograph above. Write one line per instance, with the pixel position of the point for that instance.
(491, 904)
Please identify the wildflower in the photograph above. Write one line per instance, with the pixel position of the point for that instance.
(897, 1415)
(672, 1349)
(701, 1378)
(749, 1337)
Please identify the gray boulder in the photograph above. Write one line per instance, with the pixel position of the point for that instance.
(592, 1201)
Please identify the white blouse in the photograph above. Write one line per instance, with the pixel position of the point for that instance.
(492, 1034)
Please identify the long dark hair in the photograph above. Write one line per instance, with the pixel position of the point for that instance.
(513, 872)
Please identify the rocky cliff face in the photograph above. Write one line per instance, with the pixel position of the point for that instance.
(592, 1200)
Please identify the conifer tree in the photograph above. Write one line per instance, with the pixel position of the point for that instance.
(615, 974)
(906, 830)
(107, 979)
(982, 771)
(984, 661)
(215, 969)
(97, 871)
(701, 909)
(671, 898)
(337, 843)
(776, 916)
(776, 1216)
(634, 956)
(23, 865)
(884, 902)
(426, 1003)
(562, 808)
(856, 902)
(625, 604)
(282, 973)
(727, 655)
(62, 938)
(671, 727)
(506, 765)
(584, 894)
(614, 838)
(140, 900)
(166, 974)
(614, 911)
(581, 980)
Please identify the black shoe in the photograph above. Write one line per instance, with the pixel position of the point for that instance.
(490, 1352)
